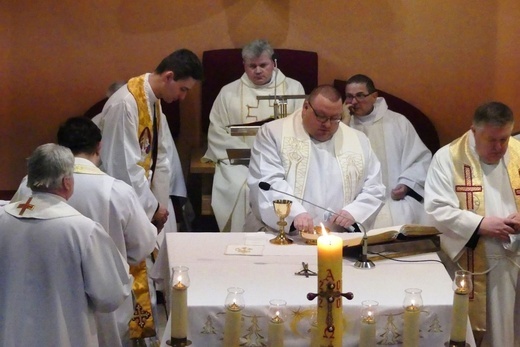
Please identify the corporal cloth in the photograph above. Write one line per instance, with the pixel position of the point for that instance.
(404, 160)
(237, 104)
(342, 173)
(460, 190)
(70, 268)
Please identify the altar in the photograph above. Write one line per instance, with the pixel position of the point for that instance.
(217, 261)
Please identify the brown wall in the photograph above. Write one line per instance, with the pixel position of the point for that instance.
(58, 57)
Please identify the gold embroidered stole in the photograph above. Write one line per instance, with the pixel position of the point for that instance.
(468, 180)
(145, 132)
(142, 324)
(296, 148)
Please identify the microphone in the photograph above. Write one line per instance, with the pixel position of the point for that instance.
(266, 186)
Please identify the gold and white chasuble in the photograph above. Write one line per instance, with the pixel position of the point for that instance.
(469, 188)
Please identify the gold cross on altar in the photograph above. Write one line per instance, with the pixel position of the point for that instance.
(25, 206)
(468, 188)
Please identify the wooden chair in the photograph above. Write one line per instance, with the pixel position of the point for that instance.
(223, 66)
(422, 124)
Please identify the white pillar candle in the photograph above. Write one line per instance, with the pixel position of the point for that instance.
(462, 286)
(275, 332)
(179, 311)
(179, 304)
(232, 326)
(276, 327)
(330, 267)
(411, 321)
(367, 334)
(411, 326)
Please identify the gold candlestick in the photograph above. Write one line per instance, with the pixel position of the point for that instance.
(282, 208)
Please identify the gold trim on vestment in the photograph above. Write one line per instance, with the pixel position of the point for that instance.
(468, 181)
(145, 129)
(142, 323)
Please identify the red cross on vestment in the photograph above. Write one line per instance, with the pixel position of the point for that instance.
(25, 206)
(468, 187)
(517, 190)
(140, 315)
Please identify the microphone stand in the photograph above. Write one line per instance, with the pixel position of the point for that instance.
(276, 103)
(363, 262)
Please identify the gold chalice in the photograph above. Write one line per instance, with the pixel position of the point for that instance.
(282, 208)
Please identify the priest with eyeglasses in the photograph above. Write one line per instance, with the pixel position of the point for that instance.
(312, 155)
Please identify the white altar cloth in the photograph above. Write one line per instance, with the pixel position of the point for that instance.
(272, 276)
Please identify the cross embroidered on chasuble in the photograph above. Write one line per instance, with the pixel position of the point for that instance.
(25, 206)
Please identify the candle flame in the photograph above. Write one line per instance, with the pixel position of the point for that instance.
(323, 230)
(463, 284)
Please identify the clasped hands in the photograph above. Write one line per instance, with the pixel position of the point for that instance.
(500, 228)
(304, 221)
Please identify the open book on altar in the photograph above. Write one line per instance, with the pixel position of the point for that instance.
(389, 234)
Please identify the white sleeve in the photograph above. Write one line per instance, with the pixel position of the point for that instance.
(120, 152)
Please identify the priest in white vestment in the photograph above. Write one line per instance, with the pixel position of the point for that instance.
(114, 205)
(57, 267)
(135, 142)
(472, 193)
(404, 157)
(311, 154)
(237, 104)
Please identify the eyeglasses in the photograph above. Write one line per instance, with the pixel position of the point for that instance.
(324, 119)
(359, 96)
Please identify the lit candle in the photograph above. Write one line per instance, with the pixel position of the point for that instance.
(462, 286)
(275, 330)
(330, 266)
(179, 304)
(233, 324)
(412, 311)
(367, 335)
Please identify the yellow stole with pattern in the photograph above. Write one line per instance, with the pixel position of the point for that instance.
(142, 324)
(468, 180)
(145, 129)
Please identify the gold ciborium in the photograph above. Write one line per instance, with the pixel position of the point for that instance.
(282, 209)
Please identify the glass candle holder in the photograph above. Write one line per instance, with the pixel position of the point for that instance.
(234, 305)
(462, 286)
(412, 309)
(179, 305)
(367, 335)
(275, 330)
